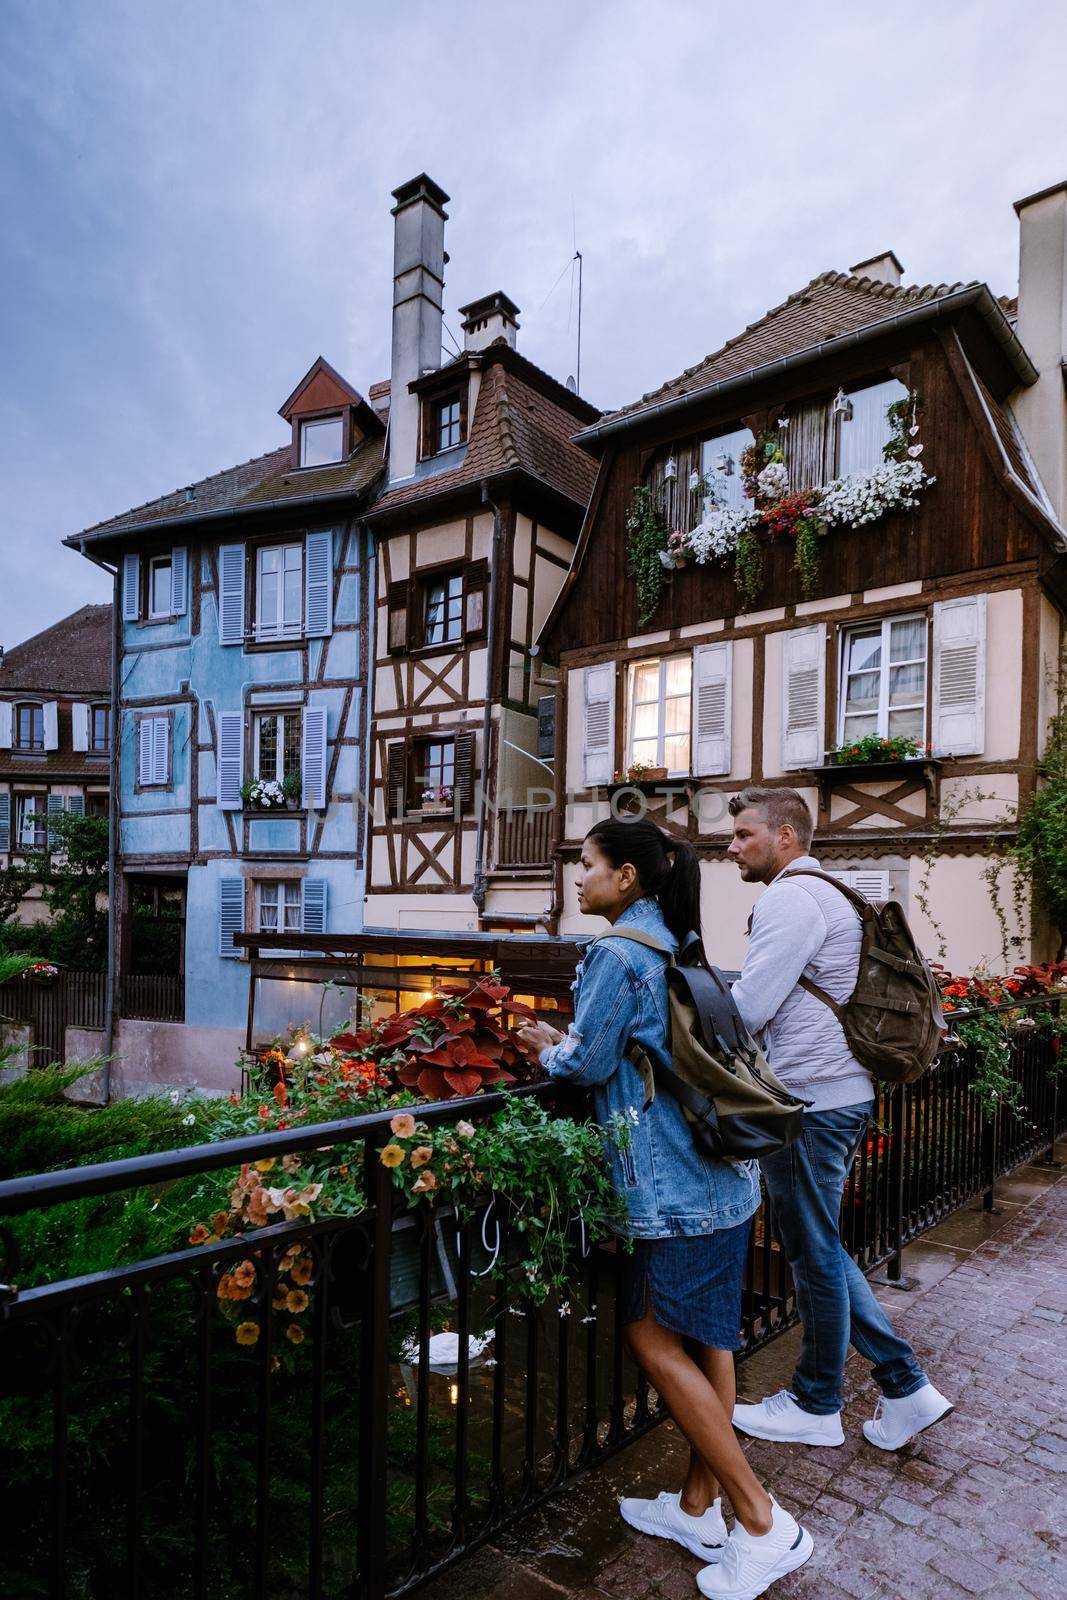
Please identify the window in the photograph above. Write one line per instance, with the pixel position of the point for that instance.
(99, 730)
(321, 442)
(805, 446)
(31, 822)
(278, 906)
(660, 708)
(721, 463)
(97, 805)
(153, 752)
(447, 423)
(160, 587)
(277, 745)
(883, 680)
(279, 591)
(862, 428)
(443, 614)
(434, 775)
(29, 727)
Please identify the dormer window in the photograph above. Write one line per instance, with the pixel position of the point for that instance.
(321, 441)
(160, 587)
(447, 422)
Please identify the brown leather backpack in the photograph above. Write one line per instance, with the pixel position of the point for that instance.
(892, 1020)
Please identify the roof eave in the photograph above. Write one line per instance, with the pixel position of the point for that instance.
(976, 296)
(386, 516)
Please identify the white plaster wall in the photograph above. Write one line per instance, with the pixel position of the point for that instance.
(1049, 668)
(1004, 662)
(741, 709)
(988, 799)
(961, 905)
(772, 707)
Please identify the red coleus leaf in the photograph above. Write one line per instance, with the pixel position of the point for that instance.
(496, 991)
(501, 1077)
(409, 1075)
(478, 1000)
(481, 1061)
(439, 1058)
(453, 988)
(433, 1085)
(456, 1025)
(429, 1008)
(464, 1083)
(350, 1042)
(487, 1045)
(394, 1032)
(518, 1009)
(462, 1049)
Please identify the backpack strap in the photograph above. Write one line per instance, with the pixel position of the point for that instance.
(857, 901)
(636, 935)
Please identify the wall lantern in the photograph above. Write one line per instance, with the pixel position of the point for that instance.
(670, 471)
(842, 406)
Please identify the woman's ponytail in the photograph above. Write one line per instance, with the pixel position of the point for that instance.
(667, 868)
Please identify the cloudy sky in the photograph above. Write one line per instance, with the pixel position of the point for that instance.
(195, 199)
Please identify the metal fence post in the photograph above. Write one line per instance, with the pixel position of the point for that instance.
(374, 1383)
(894, 1275)
(989, 1160)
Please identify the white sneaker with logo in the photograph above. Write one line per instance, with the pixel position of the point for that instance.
(752, 1562)
(896, 1421)
(779, 1417)
(664, 1518)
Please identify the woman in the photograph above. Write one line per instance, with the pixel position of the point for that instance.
(689, 1216)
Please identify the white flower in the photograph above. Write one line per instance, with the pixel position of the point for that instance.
(773, 481)
(631, 1112)
(188, 1121)
(565, 1308)
(716, 537)
(175, 1096)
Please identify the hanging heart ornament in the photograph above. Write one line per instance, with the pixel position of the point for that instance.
(915, 449)
(913, 430)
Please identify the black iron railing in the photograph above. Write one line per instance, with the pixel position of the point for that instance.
(146, 1452)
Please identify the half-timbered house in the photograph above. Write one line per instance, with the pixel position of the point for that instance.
(931, 615)
(474, 535)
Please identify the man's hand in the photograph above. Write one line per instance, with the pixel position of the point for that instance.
(533, 1037)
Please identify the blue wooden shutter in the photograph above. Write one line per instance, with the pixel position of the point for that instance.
(313, 910)
(179, 581)
(76, 805)
(318, 583)
(5, 821)
(144, 751)
(131, 588)
(228, 778)
(231, 596)
(231, 914)
(161, 750)
(55, 808)
(314, 758)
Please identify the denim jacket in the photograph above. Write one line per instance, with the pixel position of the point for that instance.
(621, 995)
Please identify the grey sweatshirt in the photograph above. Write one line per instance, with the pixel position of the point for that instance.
(804, 927)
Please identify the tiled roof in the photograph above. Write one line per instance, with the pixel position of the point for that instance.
(253, 484)
(71, 657)
(516, 425)
(831, 304)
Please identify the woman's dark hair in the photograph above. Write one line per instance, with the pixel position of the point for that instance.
(667, 868)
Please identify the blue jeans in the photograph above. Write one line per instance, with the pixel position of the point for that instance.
(805, 1183)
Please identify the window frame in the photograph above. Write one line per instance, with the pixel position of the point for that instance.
(306, 423)
(881, 731)
(151, 565)
(442, 578)
(39, 798)
(278, 630)
(281, 886)
(278, 714)
(661, 702)
(104, 710)
(433, 406)
(417, 773)
(837, 424)
(33, 747)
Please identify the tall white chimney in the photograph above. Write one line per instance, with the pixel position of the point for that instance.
(418, 284)
(1041, 410)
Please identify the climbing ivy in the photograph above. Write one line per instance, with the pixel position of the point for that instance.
(646, 531)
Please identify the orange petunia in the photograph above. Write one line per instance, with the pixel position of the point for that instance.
(421, 1154)
(245, 1274)
(199, 1234)
(246, 1332)
(391, 1156)
(403, 1125)
(294, 1333)
(301, 1270)
(296, 1301)
(425, 1180)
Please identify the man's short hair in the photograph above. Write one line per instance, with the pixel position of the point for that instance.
(778, 808)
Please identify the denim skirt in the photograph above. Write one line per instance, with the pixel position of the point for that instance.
(691, 1285)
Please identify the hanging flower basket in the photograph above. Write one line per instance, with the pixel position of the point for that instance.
(42, 973)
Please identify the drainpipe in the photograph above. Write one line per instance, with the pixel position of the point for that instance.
(479, 888)
(112, 818)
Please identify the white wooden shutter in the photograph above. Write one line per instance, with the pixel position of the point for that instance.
(228, 761)
(160, 750)
(5, 724)
(51, 725)
(231, 914)
(55, 808)
(179, 581)
(959, 676)
(318, 583)
(5, 821)
(76, 805)
(711, 708)
(313, 756)
(144, 751)
(599, 692)
(313, 908)
(871, 885)
(803, 696)
(231, 596)
(79, 721)
(131, 588)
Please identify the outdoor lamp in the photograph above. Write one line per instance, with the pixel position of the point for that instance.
(724, 464)
(842, 406)
(670, 471)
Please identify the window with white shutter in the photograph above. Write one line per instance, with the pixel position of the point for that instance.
(153, 752)
(231, 596)
(711, 708)
(231, 914)
(5, 724)
(131, 588)
(883, 680)
(79, 725)
(51, 725)
(959, 676)
(314, 905)
(803, 696)
(872, 885)
(76, 805)
(661, 702)
(228, 777)
(314, 758)
(5, 821)
(318, 583)
(599, 707)
(179, 581)
(55, 809)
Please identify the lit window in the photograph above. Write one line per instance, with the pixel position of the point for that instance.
(447, 423)
(96, 805)
(660, 708)
(435, 771)
(863, 430)
(277, 751)
(444, 610)
(321, 442)
(31, 822)
(883, 680)
(160, 588)
(29, 725)
(278, 907)
(279, 591)
(721, 466)
(99, 729)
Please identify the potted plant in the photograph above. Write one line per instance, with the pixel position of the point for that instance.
(266, 794)
(438, 801)
(863, 752)
(292, 789)
(42, 972)
(637, 772)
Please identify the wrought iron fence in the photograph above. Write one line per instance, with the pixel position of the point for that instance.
(145, 1451)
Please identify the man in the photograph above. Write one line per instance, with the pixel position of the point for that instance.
(804, 926)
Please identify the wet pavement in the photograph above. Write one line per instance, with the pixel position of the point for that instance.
(976, 1506)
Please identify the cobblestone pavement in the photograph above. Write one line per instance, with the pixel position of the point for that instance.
(976, 1506)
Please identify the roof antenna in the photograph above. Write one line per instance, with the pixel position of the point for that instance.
(578, 374)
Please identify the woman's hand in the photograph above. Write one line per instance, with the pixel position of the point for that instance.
(534, 1037)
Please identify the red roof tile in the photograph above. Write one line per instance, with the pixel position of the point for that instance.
(71, 657)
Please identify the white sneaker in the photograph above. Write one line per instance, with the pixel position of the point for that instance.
(779, 1417)
(752, 1562)
(664, 1518)
(896, 1421)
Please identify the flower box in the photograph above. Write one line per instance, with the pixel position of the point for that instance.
(437, 808)
(836, 773)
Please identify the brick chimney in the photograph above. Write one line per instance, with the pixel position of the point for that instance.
(882, 269)
(1041, 410)
(492, 317)
(418, 284)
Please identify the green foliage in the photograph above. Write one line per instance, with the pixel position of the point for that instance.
(1040, 850)
(806, 556)
(748, 567)
(873, 748)
(73, 876)
(646, 537)
(993, 1082)
(16, 881)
